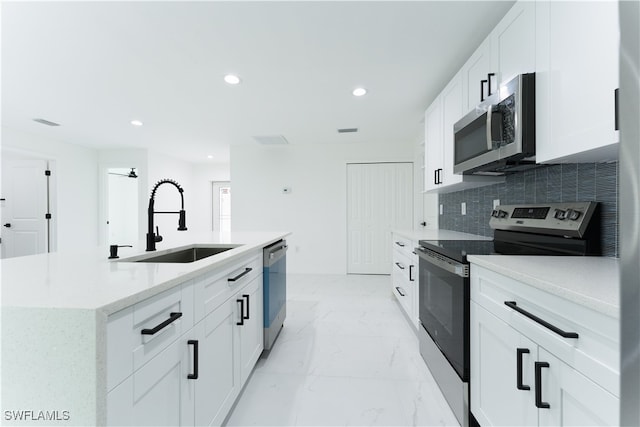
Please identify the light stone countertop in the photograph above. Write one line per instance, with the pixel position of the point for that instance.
(429, 234)
(593, 282)
(88, 280)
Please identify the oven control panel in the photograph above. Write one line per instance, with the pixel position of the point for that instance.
(564, 219)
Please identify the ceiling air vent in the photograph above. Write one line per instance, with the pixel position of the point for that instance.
(348, 130)
(271, 140)
(46, 122)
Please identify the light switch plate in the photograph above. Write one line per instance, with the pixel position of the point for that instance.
(463, 208)
(496, 203)
(441, 209)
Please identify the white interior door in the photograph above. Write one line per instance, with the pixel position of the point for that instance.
(24, 206)
(379, 199)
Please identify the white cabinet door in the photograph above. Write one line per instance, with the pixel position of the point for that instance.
(495, 396)
(251, 330)
(573, 399)
(433, 146)
(473, 72)
(451, 113)
(218, 381)
(577, 61)
(159, 393)
(513, 43)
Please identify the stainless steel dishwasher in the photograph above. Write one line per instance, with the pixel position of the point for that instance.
(275, 290)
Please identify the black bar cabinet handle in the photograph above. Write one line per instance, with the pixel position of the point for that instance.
(400, 266)
(245, 296)
(616, 102)
(400, 244)
(538, 368)
(482, 83)
(435, 176)
(411, 271)
(519, 353)
(241, 322)
(239, 276)
(194, 343)
(513, 305)
(172, 318)
(440, 176)
(489, 82)
(399, 291)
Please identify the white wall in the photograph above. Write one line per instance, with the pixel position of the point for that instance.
(75, 184)
(315, 211)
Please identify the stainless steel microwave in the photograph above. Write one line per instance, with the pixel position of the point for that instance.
(499, 135)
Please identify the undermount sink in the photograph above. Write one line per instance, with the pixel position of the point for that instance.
(187, 255)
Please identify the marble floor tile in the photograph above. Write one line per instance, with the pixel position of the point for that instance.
(346, 356)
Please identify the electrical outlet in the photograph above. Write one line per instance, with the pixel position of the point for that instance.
(496, 203)
(441, 209)
(463, 208)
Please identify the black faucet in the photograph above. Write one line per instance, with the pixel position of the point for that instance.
(152, 237)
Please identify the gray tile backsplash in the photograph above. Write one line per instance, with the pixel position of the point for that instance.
(547, 183)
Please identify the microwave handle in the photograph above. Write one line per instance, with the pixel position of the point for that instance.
(489, 115)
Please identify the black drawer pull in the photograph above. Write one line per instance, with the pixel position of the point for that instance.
(513, 305)
(400, 244)
(411, 279)
(245, 296)
(194, 376)
(400, 266)
(172, 318)
(239, 276)
(241, 322)
(538, 369)
(399, 291)
(519, 353)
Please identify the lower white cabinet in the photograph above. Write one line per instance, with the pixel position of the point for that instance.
(193, 378)
(523, 373)
(404, 276)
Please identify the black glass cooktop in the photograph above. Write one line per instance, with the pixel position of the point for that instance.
(459, 249)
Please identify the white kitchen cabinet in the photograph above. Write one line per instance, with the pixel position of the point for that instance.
(218, 381)
(433, 160)
(494, 372)
(440, 117)
(571, 380)
(251, 331)
(186, 374)
(577, 73)
(157, 394)
(404, 276)
(473, 72)
(513, 44)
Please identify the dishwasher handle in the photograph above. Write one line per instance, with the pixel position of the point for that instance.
(274, 253)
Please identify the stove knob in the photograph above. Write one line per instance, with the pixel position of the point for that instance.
(559, 214)
(494, 213)
(572, 215)
(502, 214)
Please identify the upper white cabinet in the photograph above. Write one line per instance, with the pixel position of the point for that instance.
(440, 117)
(513, 43)
(474, 73)
(577, 45)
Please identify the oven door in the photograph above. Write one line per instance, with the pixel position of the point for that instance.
(444, 306)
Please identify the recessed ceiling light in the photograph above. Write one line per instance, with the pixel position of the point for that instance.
(209, 156)
(359, 91)
(232, 79)
(136, 122)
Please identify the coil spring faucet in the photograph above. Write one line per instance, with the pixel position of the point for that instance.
(152, 237)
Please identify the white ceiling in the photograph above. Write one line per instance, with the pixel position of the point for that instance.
(95, 66)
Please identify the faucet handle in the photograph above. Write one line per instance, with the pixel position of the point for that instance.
(158, 237)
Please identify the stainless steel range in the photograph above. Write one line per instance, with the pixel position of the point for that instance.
(532, 229)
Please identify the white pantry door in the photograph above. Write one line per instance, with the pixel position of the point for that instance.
(379, 199)
(24, 190)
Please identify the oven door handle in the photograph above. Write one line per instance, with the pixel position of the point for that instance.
(443, 262)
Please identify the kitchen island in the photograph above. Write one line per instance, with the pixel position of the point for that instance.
(60, 354)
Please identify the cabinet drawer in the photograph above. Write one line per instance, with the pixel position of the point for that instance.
(138, 333)
(596, 350)
(213, 289)
(403, 245)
